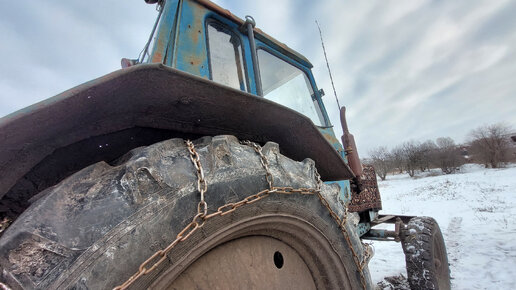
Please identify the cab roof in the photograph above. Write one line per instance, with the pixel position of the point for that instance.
(258, 33)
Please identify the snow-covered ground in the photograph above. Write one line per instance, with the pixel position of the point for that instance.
(476, 211)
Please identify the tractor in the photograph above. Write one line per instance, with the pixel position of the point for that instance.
(207, 163)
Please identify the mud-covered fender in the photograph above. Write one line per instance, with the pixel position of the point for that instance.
(159, 97)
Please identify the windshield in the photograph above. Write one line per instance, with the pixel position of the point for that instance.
(286, 84)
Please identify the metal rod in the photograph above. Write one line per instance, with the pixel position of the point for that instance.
(250, 24)
(145, 50)
(328, 64)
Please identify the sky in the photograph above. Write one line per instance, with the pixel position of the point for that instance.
(405, 69)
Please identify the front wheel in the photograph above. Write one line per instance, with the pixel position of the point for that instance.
(425, 255)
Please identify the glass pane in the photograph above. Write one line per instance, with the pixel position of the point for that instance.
(226, 61)
(285, 84)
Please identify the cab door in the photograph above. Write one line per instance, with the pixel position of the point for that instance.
(212, 46)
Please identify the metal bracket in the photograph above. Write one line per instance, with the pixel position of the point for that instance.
(386, 235)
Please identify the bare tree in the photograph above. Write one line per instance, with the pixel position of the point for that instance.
(398, 158)
(512, 148)
(448, 156)
(426, 151)
(489, 144)
(381, 161)
(412, 156)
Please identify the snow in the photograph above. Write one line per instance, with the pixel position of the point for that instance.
(475, 209)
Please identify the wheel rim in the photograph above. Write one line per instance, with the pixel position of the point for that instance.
(256, 262)
(302, 244)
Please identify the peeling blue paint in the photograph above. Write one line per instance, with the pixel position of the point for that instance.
(165, 32)
(344, 190)
(191, 46)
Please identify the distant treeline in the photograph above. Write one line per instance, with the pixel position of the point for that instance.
(489, 145)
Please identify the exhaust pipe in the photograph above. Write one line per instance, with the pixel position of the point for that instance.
(349, 145)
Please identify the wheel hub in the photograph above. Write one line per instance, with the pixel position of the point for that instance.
(255, 262)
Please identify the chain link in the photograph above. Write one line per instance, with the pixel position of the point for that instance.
(4, 224)
(201, 217)
(263, 160)
(202, 185)
(367, 254)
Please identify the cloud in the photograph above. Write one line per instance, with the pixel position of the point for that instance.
(407, 71)
(51, 46)
(412, 69)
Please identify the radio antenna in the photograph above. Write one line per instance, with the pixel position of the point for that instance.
(328, 64)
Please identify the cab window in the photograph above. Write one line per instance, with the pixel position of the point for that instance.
(287, 85)
(225, 56)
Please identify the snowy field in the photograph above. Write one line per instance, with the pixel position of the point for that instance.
(475, 209)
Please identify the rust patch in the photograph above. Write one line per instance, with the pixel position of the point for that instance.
(196, 61)
(157, 56)
(331, 138)
(196, 28)
(367, 195)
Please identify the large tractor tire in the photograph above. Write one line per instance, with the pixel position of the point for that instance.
(94, 229)
(425, 255)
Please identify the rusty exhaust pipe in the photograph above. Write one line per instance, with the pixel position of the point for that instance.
(349, 145)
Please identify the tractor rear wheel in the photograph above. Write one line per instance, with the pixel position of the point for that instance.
(425, 255)
(95, 228)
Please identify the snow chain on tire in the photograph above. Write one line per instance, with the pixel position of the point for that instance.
(202, 215)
